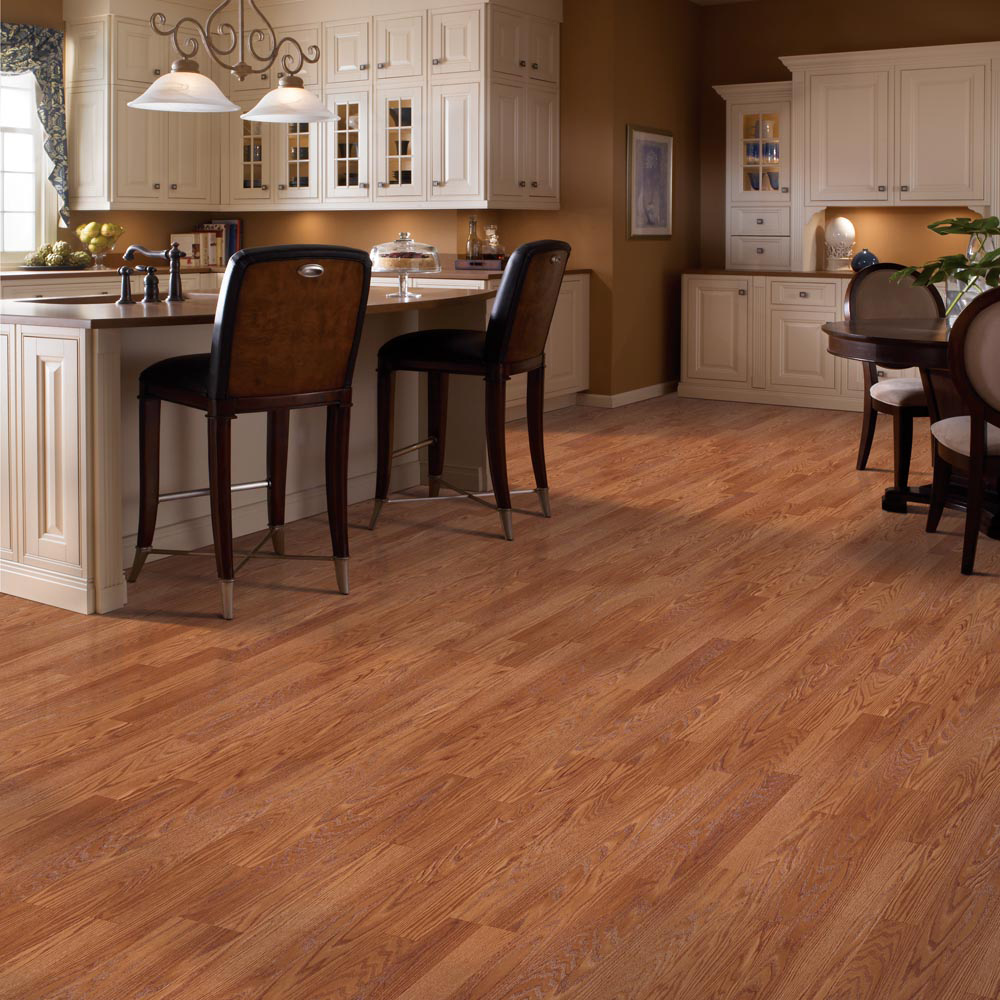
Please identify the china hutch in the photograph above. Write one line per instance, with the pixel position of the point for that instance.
(895, 128)
(455, 105)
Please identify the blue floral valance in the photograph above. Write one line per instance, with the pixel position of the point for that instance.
(27, 48)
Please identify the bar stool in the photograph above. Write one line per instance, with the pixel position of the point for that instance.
(873, 294)
(514, 342)
(286, 335)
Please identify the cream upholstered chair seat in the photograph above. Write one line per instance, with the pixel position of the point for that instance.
(900, 392)
(955, 433)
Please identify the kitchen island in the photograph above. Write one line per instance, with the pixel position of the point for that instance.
(69, 369)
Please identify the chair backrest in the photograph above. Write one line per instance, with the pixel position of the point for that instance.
(289, 321)
(974, 355)
(873, 294)
(522, 313)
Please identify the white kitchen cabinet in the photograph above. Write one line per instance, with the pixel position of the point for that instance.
(191, 175)
(848, 147)
(347, 144)
(454, 42)
(86, 135)
(399, 143)
(543, 50)
(8, 452)
(139, 161)
(347, 52)
(508, 34)
(141, 55)
(87, 51)
(796, 350)
(251, 156)
(508, 125)
(524, 144)
(542, 146)
(297, 166)
(759, 253)
(307, 36)
(942, 134)
(716, 322)
(455, 142)
(399, 46)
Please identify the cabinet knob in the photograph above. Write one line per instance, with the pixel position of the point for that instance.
(263, 187)
(363, 184)
(534, 184)
(904, 187)
(881, 187)
(263, 76)
(363, 66)
(760, 249)
(383, 184)
(760, 222)
(534, 65)
(381, 65)
(281, 187)
(156, 187)
(436, 184)
(784, 190)
(743, 291)
(803, 295)
(173, 187)
(522, 184)
(522, 64)
(435, 62)
(156, 72)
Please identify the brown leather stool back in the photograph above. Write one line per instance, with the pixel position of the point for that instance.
(525, 302)
(289, 321)
(875, 294)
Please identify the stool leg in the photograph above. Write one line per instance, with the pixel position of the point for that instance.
(902, 446)
(496, 447)
(868, 420)
(149, 480)
(437, 419)
(220, 486)
(536, 407)
(338, 432)
(939, 491)
(973, 500)
(383, 467)
(277, 470)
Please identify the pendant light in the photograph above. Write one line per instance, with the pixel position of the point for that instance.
(289, 102)
(183, 89)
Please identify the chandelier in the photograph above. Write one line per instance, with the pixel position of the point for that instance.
(242, 52)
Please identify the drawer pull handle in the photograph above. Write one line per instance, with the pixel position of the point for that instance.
(743, 291)
(784, 190)
(881, 187)
(363, 66)
(904, 187)
(381, 65)
(534, 66)
(760, 249)
(803, 295)
(760, 222)
(156, 72)
(435, 62)
(522, 63)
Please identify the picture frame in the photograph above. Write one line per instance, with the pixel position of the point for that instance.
(650, 171)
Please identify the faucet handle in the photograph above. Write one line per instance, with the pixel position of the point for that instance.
(126, 294)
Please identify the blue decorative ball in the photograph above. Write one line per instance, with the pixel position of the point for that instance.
(863, 259)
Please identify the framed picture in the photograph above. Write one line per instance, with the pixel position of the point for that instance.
(650, 183)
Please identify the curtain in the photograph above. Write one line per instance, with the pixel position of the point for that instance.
(27, 48)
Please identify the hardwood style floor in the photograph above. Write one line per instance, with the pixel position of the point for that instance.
(719, 729)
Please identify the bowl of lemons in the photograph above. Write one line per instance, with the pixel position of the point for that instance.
(99, 238)
(57, 256)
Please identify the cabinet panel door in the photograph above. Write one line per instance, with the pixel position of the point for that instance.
(507, 131)
(942, 134)
(455, 137)
(190, 157)
(138, 150)
(849, 137)
(797, 354)
(542, 143)
(53, 431)
(306, 36)
(508, 44)
(140, 54)
(567, 351)
(86, 51)
(399, 46)
(543, 50)
(297, 166)
(347, 52)
(717, 330)
(87, 136)
(347, 141)
(399, 142)
(455, 42)
(250, 158)
(254, 82)
(8, 476)
(761, 146)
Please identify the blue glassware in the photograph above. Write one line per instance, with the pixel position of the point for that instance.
(862, 259)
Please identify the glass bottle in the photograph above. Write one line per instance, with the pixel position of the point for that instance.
(473, 248)
(493, 248)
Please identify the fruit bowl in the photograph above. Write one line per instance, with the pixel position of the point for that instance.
(99, 238)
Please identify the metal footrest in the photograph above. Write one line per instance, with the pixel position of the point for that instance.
(235, 488)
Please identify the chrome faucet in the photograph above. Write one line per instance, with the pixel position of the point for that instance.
(173, 257)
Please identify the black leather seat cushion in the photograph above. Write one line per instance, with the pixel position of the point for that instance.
(435, 346)
(187, 373)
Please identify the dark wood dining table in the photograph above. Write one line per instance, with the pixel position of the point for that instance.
(912, 343)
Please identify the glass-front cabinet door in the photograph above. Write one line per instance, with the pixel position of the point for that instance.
(762, 151)
(347, 147)
(250, 177)
(400, 143)
(297, 150)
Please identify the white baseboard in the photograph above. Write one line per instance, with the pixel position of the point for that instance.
(625, 398)
(816, 401)
(71, 593)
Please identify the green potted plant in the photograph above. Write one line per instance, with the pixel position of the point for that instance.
(965, 275)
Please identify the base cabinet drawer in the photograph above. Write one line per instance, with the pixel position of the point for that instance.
(797, 354)
(761, 221)
(811, 294)
(767, 253)
(717, 329)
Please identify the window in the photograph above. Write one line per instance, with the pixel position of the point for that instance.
(27, 201)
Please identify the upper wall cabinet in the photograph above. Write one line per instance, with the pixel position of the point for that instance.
(399, 47)
(455, 39)
(525, 47)
(346, 52)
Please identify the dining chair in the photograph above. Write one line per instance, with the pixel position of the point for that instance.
(874, 294)
(514, 342)
(970, 443)
(286, 336)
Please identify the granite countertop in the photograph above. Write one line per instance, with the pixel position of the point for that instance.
(101, 312)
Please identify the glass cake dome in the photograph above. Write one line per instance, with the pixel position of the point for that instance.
(404, 256)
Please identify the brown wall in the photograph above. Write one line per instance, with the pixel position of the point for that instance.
(742, 43)
(45, 13)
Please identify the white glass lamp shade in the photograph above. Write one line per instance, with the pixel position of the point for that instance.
(840, 230)
(289, 102)
(183, 89)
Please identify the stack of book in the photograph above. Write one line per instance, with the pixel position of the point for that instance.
(210, 244)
